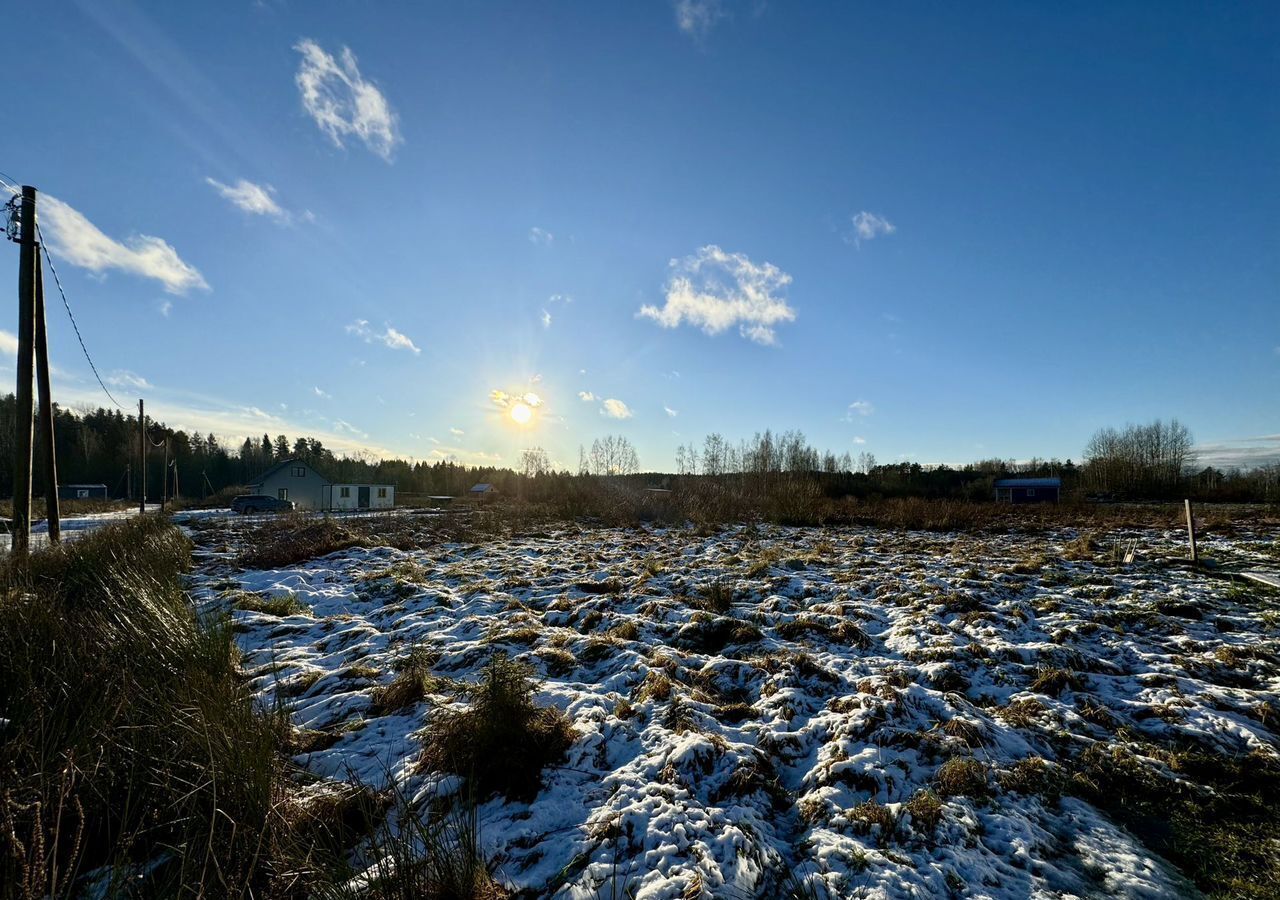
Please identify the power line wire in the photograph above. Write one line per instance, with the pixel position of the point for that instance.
(67, 304)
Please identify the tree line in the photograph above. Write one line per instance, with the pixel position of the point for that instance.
(1136, 462)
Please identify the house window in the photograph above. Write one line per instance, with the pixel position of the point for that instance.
(82, 494)
(344, 493)
(382, 493)
(283, 493)
(299, 471)
(1031, 492)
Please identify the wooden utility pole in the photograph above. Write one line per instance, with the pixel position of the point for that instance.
(52, 511)
(28, 266)
(128, 480)
(164, 487)
(1191, 531)
(142, 454)
(177, 493)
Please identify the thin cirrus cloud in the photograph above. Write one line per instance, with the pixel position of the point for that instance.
(344, 104)
(714, 290)
(859, 408)
(389, 337)
(615, 409)
(123, 378)
(696, 18)
(73, 238)
(541, 236)
(670, 412)
(868, 226)
(254, 199)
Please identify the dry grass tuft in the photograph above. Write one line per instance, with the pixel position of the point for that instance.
(962, 776)
(503, 740)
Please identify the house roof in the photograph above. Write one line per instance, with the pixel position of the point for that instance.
(1029, 482)
(103, 486)
(481, 488)
(280, 465)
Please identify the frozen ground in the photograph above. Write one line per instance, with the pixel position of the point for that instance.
(765, 700)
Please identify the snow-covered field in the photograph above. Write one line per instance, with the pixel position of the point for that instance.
(853, 706)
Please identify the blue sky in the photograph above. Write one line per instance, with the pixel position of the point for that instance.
(929, 232)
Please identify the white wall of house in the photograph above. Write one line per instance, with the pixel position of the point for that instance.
(347, 496)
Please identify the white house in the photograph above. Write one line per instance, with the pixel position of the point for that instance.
(360, 496)
(296, 480)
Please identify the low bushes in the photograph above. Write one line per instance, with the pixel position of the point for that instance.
(288, 540)
(503, 740)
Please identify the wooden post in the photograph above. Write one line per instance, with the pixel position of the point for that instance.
(51, 506)
(177, 492)
(1191, 532)
(128, 481)
(164, 474)
(142, 453)
(28, 265)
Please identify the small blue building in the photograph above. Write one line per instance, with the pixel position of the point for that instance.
(1028, 490)
(82, 492)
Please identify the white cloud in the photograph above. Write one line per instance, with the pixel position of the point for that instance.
(867, 226)
(546, 319)
(1245, 452)
(615, 409)
(8, 343)
(714, 290)
(254, 199)
(123, 378)
(859, 440)
(457, 432)
(390, 337)
(697, 17)
(860, 407)
(323, 395)
(671, 412)
(166, 307)
(540, 236)
(342, 102)
(73, 238)
(584, 396)
(559, 298)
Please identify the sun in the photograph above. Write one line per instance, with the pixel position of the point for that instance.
(521, 413)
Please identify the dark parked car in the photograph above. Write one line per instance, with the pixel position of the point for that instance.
(255, 503)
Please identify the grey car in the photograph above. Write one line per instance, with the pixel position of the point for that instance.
(246, 504)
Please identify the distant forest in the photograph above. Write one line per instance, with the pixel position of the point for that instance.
(1138, 462)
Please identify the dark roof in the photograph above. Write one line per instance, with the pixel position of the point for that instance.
(481, 488)
(103, 486)
(1029, 482)
(280, 465)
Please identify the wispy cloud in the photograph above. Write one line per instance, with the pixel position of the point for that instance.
(456, 432)
(615, 409)
(255, 199)
(696, 18)
(715, 290)
(859, 439)
(342, 102)
(388, 336)
(8, 343)
(584, 396)
(541, 236)
(73, 238)
(123, 378)
(860, 408)
(322, 394)
(670, 412)
(546, 319)
(867, 226)
(165, 307)
(1245, 453)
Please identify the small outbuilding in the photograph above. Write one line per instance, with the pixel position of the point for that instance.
(82, 492)
(482, 492)
(1028, 490)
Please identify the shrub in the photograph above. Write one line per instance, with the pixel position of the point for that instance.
(503, 740)
(279, 605)
(925, 809)
(289, 540)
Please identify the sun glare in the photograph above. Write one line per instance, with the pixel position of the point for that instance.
(521, 413)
